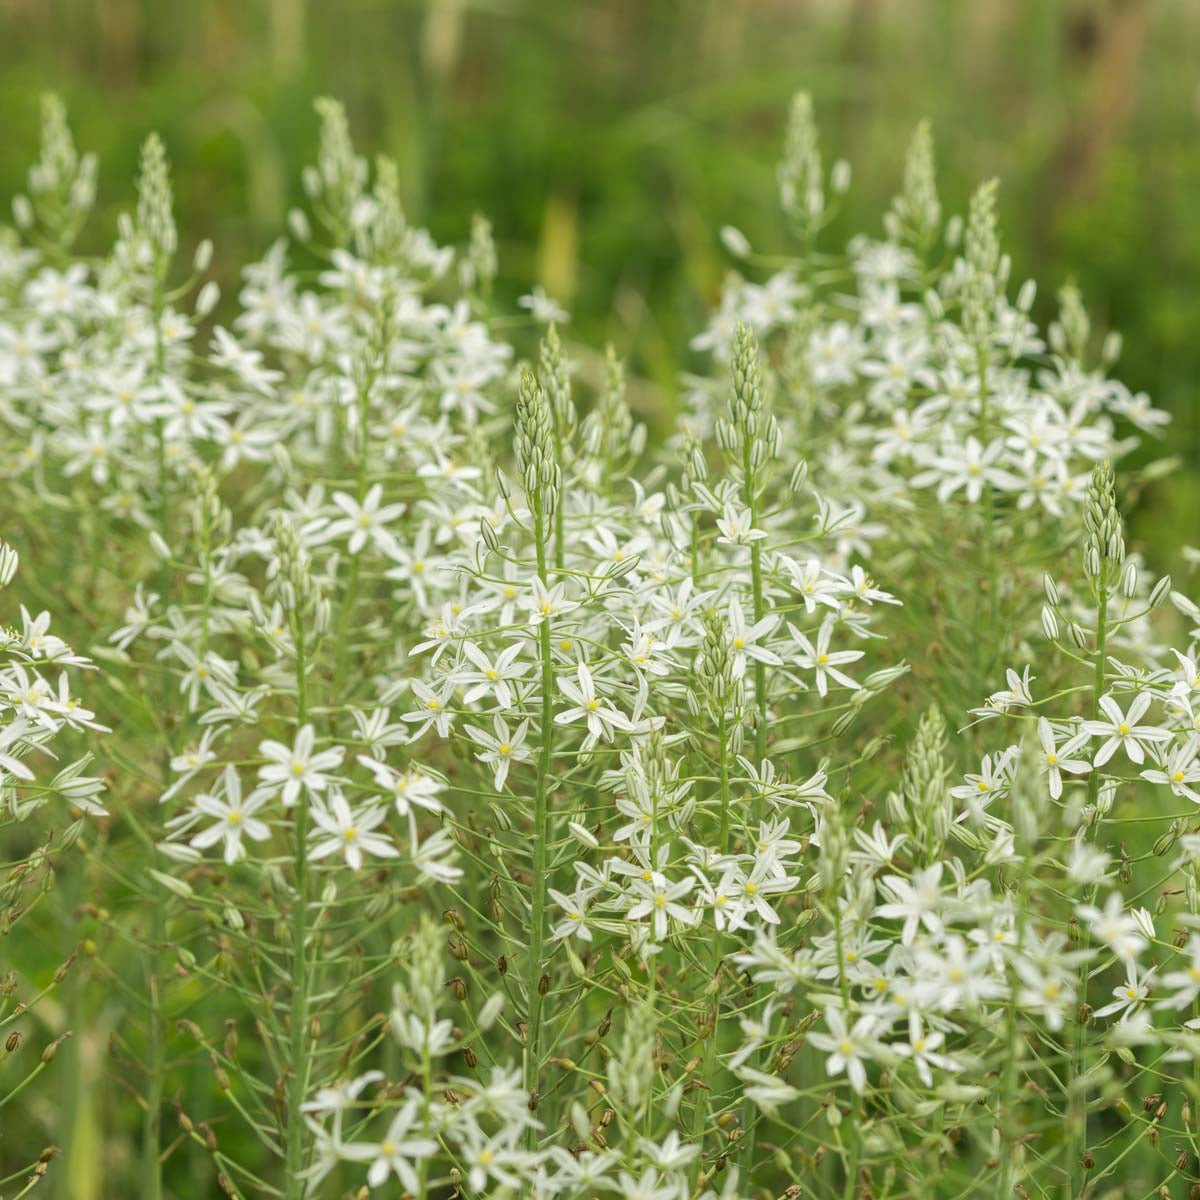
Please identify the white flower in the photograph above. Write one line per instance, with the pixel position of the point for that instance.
(433, 708)
(602, 719)
(542, 308)
(744, 640)
(1130, 995)
(1056, 757)
(1178, 768)
(736, 529)
(364, 520)
(547, 602)
(1120, 931)
(849, 1049)
(1123, 731)
(814, 583)
(351, 832)
(968, 465)
(490, 675)
(501, 748)
(659, 899)
(1185, 983)
(234, 817)
(296, 766)
(922, 1050)
(408, 787)
(823, 661)
(915, 902)
(397, 1152)
(574, 922)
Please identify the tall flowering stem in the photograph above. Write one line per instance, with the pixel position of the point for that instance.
(537, 461)
(751, 436)
(296, 589)
(155, 230)
(1104, 558)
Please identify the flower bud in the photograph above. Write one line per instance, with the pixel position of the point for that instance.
(735, 241)
(1129, 581)
(203, 256)
(1049, 624)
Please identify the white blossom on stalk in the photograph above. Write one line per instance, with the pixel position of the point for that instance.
(745, 640)
(823, 662)
(601, 718)
(501, 748)
(1122, 731)
(338, 828)
(1057, 757)
(849, 1048)
(300, 765)
(365, 520)
(233, 816)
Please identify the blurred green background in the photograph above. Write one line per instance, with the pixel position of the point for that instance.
(608, 140)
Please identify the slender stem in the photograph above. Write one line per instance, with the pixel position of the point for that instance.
(426, 1118)
(560, 544)
(299, 1058)
(760, 668)
(351, 597)
(749, 1112)
(532, 1061)
(990, 645)
(710, 1050)
(852, 1131)
(1076, 1109)
(1008, 1112)
(756, 586)
(156, 1064)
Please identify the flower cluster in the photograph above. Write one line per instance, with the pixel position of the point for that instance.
(749, 877)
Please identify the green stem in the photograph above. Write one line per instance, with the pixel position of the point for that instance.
(299, 1057)
(1008, 1112)
(426, 1118)
(991, 646)
(710, 1050)
(760, 668)
(853, 1135)
(351, 599)
(532, 1060)
(156, 1064)
(756, 586)
(1077, 1105)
